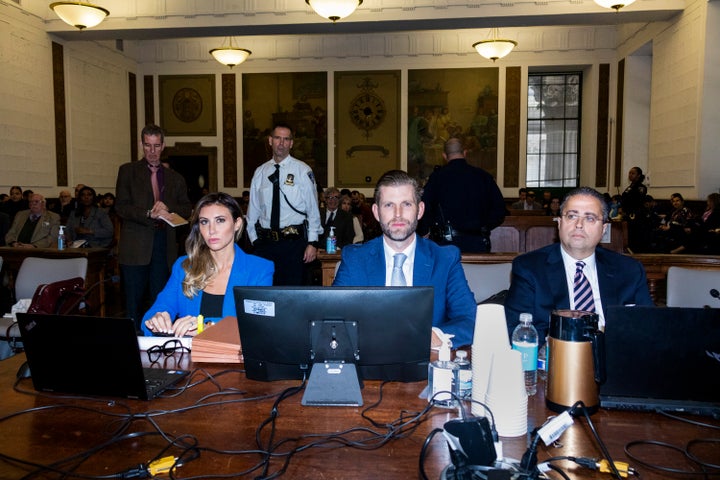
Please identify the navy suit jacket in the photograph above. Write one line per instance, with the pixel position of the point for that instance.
(439, 267)
(539, 286)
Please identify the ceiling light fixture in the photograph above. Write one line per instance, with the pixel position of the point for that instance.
(79, 14)
(494, 47)
(334, 9)
(230, 55)
(614, 4)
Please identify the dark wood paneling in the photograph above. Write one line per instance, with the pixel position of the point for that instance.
(603, 108)
(149, 95)
(132, 98)
(511, 161)
(229, 130)
(61, 160)
(619, 121)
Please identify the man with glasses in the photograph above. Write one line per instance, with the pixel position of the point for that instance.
(34, 228)
(575, 273)
(334, 216)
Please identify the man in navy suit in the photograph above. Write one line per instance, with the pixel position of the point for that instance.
(543, 280)
(398, 208)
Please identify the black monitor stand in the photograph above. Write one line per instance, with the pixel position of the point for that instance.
(334, 378)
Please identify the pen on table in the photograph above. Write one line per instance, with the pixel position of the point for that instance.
(200, 323)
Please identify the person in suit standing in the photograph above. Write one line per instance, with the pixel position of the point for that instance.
(544, 280)
(334, 216)
(398, 207)
(146, 192)
(34, 228)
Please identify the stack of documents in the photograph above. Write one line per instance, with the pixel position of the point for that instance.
(219, 343)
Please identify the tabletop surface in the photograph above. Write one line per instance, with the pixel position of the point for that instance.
(224, 424)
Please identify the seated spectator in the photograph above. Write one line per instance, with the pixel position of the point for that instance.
(89, 222)
(107, 203)
(35, 227)
(201, 282)
(64, 206)
(526, 201)
(14, 203)
(704, 237)
(346, 204)
(370, 226)
(671, 235)
(331, 215)
(553, 209)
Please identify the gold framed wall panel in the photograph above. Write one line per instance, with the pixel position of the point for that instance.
(444, 103)
(187, 105)
(298, 99)
(367, 126)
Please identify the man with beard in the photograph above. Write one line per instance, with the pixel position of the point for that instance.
(400, 257)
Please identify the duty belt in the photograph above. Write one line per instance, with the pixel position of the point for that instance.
(291, 232)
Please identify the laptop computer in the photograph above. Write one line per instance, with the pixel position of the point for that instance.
(86, 355)
(662, 358)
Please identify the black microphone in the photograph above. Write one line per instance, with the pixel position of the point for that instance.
(80, 302)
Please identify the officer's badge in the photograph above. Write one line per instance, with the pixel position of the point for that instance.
(290, 180)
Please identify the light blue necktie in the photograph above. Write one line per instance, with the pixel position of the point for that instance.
(397, 279)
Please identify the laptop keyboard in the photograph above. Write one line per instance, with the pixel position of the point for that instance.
(157, 379)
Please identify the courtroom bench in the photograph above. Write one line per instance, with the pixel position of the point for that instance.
(525, 233)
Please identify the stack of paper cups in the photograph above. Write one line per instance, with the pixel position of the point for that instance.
(506, 396)
(490, 336)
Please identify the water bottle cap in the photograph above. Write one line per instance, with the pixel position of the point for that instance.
(461, 354)
(526, 318)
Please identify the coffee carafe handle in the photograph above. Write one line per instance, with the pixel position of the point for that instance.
(597, 338)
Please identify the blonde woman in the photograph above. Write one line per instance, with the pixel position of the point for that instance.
(201, 282)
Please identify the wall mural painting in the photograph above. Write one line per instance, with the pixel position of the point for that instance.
(298, 99)
(452, 102)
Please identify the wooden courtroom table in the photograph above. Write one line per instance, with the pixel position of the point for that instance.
(94, 278)
(223, 430)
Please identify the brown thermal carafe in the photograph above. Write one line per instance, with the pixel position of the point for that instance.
(575, 360)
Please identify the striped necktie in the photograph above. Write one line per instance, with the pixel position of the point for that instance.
(583, 291)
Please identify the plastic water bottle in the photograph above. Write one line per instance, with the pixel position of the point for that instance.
(525, 340)
(331, 242)
(464, 374)
(61, 238)
(442, 377)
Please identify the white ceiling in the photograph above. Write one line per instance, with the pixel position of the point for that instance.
(175, 19)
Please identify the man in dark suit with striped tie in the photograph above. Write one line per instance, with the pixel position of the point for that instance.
(576, 273)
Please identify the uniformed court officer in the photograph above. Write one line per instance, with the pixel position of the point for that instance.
(283, 216)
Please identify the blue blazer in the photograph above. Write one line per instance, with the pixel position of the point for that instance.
(246, 270)
(435, 266)
(539, 286)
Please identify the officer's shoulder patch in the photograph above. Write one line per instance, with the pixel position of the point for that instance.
(311, 176)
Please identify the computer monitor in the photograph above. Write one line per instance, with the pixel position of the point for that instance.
(384, 331)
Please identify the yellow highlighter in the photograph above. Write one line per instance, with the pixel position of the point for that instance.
(200, 323)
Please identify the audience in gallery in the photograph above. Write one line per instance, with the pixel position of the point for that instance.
(331, 215)
(89, 222)
(526, 201)
(673, 232)
(553, 209)
(201, 282)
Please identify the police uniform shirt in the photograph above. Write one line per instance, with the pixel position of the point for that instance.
(297, 182)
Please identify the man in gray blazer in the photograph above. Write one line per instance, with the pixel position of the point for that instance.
(146, 192)
(34, 228)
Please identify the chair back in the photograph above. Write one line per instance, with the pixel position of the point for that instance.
(36, 271)
(690, 287)
(485, 280)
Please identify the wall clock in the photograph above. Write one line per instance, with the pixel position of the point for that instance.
(367, 110)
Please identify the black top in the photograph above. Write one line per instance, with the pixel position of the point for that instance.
(211, 305)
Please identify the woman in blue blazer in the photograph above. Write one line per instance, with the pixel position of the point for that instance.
(201, 282)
